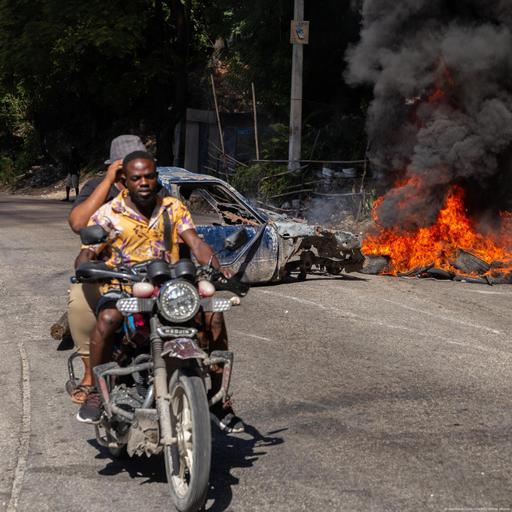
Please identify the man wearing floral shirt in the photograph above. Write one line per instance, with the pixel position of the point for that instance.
(136, 226)
(135, 238)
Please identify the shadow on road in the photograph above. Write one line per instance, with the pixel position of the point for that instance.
(151, 469)
(317, 276)
(229, 452)
(65, 343)
(31, 211)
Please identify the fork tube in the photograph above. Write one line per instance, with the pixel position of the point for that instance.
(163, 398)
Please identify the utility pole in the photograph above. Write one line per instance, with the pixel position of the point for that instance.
(298, 37)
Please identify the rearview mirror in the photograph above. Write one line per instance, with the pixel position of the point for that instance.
(236, 240)
(93, 235)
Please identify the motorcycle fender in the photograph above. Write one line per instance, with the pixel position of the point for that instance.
(183, 348)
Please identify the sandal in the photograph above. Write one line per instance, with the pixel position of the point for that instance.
(79, 394)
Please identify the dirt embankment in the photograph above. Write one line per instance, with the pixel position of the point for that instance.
(47, 182)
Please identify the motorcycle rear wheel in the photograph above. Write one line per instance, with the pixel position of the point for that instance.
(187, 463)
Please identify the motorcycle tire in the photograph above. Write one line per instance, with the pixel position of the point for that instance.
(187, 463)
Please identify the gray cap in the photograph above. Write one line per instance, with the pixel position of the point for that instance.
(124, 145)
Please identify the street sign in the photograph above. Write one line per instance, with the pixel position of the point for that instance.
(299, 32)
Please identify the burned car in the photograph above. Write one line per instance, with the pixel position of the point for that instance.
(276, 244)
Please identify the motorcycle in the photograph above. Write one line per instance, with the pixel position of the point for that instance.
(154, 393)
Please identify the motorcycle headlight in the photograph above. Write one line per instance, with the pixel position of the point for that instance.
(178, 301)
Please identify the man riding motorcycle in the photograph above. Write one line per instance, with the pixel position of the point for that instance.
(145, 226)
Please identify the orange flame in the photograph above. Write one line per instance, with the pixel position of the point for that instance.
(453, 229)
(438, 243)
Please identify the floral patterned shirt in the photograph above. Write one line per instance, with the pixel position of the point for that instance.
(134, 237)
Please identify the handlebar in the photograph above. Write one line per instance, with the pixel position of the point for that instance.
(95, 271)
(233, 284)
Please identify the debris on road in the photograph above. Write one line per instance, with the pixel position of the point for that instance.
(473, 270)
(469, 263)
(451, 248)
(376, 264)
(60, 329)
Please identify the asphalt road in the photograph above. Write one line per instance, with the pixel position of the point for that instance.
(361, 394)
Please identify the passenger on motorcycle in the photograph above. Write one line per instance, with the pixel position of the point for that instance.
(84, 297)
(136, 221)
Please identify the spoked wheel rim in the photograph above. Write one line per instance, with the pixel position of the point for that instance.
(188, 459)
(183, 450)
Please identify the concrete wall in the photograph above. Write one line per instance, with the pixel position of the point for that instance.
(201, 131)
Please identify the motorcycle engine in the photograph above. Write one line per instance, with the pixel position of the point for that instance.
(126, 398)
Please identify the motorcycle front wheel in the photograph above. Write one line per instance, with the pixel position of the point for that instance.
(187, 462)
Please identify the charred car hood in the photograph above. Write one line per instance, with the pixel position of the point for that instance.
(289, 227)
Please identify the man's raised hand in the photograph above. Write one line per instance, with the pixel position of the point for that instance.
(113, 169)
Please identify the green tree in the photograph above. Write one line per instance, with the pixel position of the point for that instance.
(91, 70)
(75, 73)
(259, 51)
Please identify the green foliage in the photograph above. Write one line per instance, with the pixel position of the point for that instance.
(265, 180)
(251, 180)
(275, 144)
(29, 153)
(88, 71)
(19, 148)
(75, 73)
(258, 180)
(7, 171)
(259, 51)
(13, 114)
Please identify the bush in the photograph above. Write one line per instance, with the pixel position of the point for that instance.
(251, 180)
(7, 171)
(29, 153)
(18, 138)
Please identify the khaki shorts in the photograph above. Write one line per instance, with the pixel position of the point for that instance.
(82, 302)
(72, 180)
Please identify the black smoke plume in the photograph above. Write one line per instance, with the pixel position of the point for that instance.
(441, 73)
